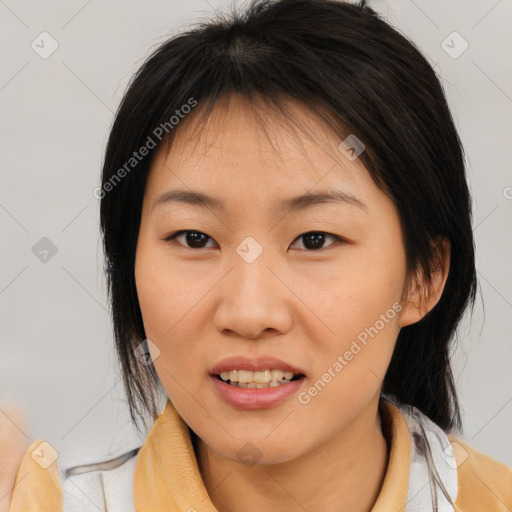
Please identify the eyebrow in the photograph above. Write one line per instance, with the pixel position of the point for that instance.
(303, 202)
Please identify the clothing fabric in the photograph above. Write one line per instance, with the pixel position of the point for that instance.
(427, 471)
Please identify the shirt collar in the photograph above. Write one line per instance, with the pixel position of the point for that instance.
(167, 475)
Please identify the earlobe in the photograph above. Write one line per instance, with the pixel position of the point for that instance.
(424, 294)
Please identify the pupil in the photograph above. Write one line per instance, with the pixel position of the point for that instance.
(316, 238)
(194, 238)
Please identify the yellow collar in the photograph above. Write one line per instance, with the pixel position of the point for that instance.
(167, 476)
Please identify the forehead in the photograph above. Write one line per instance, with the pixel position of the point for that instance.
(248, 149)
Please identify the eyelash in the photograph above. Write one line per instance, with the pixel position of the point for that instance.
(174, 235)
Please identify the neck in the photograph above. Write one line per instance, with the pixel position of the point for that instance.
(345, 474)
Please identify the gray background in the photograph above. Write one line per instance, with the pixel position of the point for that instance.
(56, 356)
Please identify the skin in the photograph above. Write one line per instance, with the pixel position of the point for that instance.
(304, 306)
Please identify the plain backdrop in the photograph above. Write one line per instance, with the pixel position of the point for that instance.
(56, 353)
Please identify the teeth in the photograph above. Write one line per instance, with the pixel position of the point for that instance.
(245, 376)
(262, 377)
(276, 375)
(259, 379)
(249, 385)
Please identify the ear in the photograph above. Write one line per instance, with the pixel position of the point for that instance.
(422, 296)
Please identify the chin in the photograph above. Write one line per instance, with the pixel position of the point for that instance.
(259, 452)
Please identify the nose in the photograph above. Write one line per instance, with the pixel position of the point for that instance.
(254, 301)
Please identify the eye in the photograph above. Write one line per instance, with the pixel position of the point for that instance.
(196, 239)
(312, 241)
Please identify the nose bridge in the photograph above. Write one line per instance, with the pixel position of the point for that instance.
(252, 298)
(251, 280)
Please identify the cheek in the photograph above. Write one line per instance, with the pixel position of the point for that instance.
(161, 309)
(357, 291)
(363, 315)
(168, 300)
(378, 278)
(155, 296)
(165, 294)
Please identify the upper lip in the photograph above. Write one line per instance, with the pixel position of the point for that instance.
(259, 363)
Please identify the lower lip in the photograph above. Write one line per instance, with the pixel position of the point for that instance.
(254, 398)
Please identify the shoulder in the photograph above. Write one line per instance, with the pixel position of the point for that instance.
(105, 485)
(484, 483)
(461, 476)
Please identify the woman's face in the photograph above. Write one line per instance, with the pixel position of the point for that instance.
(245, 290)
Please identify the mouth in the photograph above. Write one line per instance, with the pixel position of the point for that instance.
(260, 382)
(249, 379)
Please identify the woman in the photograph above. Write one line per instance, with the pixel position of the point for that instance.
(287, 231)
